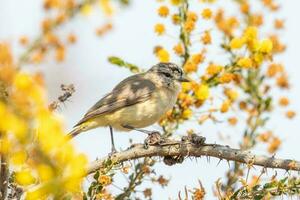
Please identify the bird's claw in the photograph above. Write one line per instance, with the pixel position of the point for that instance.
(113, 151)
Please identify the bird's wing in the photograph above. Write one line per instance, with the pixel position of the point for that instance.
(130, 91)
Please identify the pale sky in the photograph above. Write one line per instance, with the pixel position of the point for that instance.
(133, 39)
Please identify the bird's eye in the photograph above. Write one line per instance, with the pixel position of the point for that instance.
(167, 74)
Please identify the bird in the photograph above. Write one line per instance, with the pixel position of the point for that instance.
(136, 102)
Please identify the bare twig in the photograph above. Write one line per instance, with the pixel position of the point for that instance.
(68, 91)
(184, 149)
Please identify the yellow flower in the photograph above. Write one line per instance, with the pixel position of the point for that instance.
(265, 46)
(202, 92)
(176, 19)
(274, 145)
(175, 2)
(232, 121)
(225, 106)
(250, 33)
(23, 81)
(163, 11)
(213, 69)
(159, 29)
(206, 37)
(283, 101)
(245, 62)
(86, 9)
(189, 26)
(290, 114)
(45, 172)
(18, 158)
(190, 67)
(231, 94)
(187, 113)
(104, 180)
(197, 58)
(191, 16)
(206, 13)
(178, 49)
(106, 7)
(226, 78)
(24, 178)
(163, 55)
(237, 43)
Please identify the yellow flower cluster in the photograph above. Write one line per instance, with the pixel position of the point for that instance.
(33, 137)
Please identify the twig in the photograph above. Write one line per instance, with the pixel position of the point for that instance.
(189, 149)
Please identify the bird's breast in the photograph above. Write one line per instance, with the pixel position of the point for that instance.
(148, 112)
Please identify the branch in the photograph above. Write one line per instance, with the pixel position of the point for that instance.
(180, 149)
(4, 173)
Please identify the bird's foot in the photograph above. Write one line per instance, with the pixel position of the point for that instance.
(113, 151)
(154, 138)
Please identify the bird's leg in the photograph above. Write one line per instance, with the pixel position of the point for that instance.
(113, 148)
(154, 137)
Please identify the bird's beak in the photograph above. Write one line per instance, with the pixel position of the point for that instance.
(184, 78)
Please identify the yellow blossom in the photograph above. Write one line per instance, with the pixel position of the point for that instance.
(176, 19)
(237, 43)
(190, 67)
(24, 178)
(283, 101)
(231, 94)
(290, 114)
(86, 9)
(250, 33)
(244, 62)
(197, 58)
(265, 46)
(163, 11)
(163, 55)
(213, 69)
(225, 106)
(232, 121)
(18, 158)
(186, 86)
(45, 172)
(206, 13)
(187, 113)
(104, 180)
(159, 29)
(274, 145)
(106, 7)
(206, 37)
(178, 49)
(226, 78)
(189, 26)
(175, 2)
(202, 92)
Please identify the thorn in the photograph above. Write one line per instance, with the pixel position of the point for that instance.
(228, 164)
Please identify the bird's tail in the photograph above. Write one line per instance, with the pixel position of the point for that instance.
(75, 132)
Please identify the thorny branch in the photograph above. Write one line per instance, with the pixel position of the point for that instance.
(190, 148)
(4, 174)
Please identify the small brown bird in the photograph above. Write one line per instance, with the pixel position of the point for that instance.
(136, 102)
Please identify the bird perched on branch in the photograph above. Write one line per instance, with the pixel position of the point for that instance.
(136, 102)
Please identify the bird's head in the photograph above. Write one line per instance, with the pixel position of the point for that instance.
(169, 72)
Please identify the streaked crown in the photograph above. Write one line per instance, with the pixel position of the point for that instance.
(169, 70)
